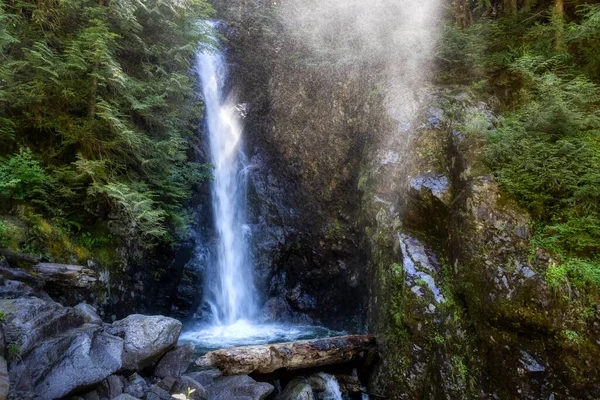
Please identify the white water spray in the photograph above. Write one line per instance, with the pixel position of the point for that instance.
(332, 387)
(232, 296)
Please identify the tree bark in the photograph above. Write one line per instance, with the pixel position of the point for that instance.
(463, 13)
(267, 358)
(559, 22)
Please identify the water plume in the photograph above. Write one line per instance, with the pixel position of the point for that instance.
(396, 37)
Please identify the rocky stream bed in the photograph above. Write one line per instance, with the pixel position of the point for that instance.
(50, 351)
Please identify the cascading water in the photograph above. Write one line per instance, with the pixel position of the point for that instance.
(229, 288)
(232, 296)
(332, 387)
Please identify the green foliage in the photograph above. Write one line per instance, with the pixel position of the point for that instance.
(579, 272)
(98, 114)
(571, 336)
(543, 66)
(21, 176)
(4, 234)
(12, 351)
(2, 315)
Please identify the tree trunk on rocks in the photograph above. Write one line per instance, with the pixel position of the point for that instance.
(265, 359)
(67, 275)
(18, 257)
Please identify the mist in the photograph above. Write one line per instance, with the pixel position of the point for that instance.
(396, 37)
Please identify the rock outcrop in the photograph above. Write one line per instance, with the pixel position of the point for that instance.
(54, 351)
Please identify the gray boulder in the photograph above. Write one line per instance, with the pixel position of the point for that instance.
(67, 362)
(239, 387)
(205, 377)
(146, 338)
(125, 396)
(11, 289)
(30, 320)
(185, 383)
(167, 383)
(157, 393)
(136, 386)
(175, 362)
(297, 389)
(89, 314)
(112, 386)
(317, 383)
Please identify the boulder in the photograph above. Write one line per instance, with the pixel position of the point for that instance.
(125, 396)
(205, 377)
(297, 389)
(185, 383)
(31, 320)
(146, 338)
(157, 393)
(112, 386)
(238, 387)
(136, 386)
(317, 383)
(4, 381)
(167, 383)
(68, 362)
(89, 314)
(175, 362)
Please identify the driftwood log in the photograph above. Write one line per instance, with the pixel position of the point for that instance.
(267, 358)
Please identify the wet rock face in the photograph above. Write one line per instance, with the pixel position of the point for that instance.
(459, 291)
(492, 256)
(305, 133)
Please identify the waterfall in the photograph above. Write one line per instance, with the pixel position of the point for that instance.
(332, 387)
(231, 292)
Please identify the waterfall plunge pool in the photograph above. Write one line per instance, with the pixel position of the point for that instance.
(208, 337)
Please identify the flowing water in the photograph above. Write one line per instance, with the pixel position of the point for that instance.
(232, 295)
(332, 387)
(229, 289)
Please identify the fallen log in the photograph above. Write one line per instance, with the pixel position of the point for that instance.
(66, 275)
(18, 257)
(267, 358)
